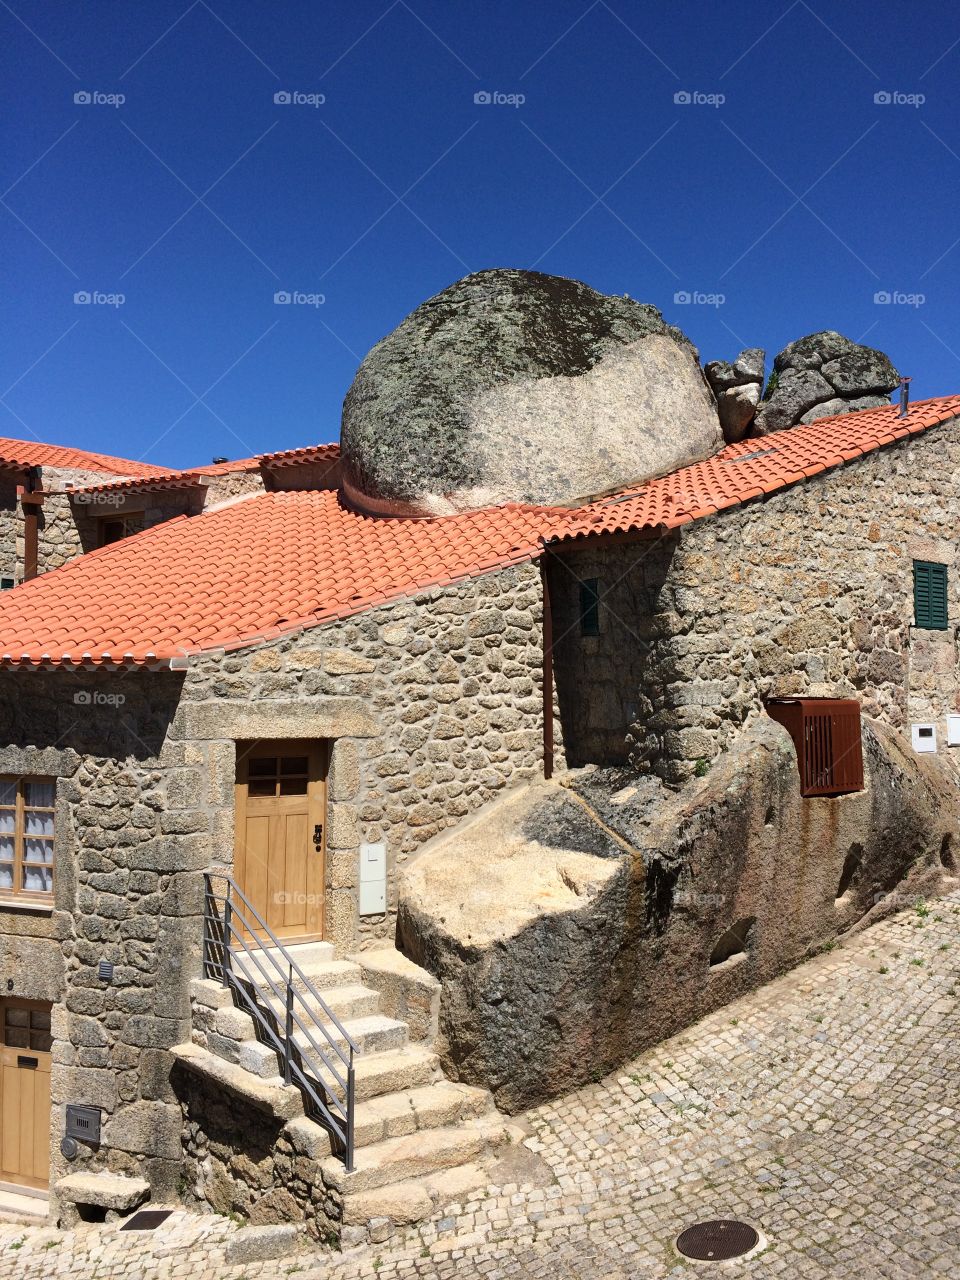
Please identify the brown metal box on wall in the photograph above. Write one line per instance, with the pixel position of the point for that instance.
(826, 734)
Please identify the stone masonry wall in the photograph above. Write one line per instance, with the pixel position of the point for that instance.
(9, 526)
(126, 889)
(809, 591)
(433, 705)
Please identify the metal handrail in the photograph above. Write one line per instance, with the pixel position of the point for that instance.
(223, 943)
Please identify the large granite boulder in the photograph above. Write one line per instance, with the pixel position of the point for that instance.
(517, 386)
(574, 926)
(824, 374)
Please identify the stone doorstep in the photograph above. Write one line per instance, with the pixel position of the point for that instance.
(23, 1210)
(414, 1155)
(108, 1190)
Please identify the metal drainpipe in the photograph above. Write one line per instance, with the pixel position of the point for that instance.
(547, 671)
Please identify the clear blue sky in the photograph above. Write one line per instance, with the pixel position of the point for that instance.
(797, 198)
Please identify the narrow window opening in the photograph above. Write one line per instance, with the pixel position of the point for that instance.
(590, 607)
(733, 944)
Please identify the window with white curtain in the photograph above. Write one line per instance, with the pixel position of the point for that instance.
(26, 837)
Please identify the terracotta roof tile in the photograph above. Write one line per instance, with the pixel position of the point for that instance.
(752, 468)
(308, 453)
(31, 453)
(277, 562)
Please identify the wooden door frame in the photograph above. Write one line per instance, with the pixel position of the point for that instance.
(25, 1185)
(317, 751)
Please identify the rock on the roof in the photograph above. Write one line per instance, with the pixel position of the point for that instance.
(821, 375)
(518, 386)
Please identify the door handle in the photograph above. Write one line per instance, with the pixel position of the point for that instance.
(318, 836)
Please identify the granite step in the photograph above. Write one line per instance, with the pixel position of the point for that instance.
(352, 1001)
(431, 1106)
(372, 1034)
(414, 1155)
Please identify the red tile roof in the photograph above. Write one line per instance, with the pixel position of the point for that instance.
(753, 468)
(277, 562)
(168, 480)
(271, 563)
(31, 453)
(308, 453)
(196, 475)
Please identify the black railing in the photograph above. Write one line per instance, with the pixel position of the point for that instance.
(234, 931)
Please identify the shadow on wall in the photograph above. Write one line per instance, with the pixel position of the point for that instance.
(560, 963)
(608, 611)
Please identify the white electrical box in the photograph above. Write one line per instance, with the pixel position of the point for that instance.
(924, 737)
(953, 731)
(373, 879)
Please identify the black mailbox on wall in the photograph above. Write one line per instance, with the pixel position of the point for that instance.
(83, 1124)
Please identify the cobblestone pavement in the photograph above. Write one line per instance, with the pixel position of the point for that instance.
(823, 1109)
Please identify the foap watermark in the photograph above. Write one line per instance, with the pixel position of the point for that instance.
(95, 98)
(296, 898)
(894, 98)
(94, 298)
(899, 900)
(97, 499)
(96, 698)
(296, 98)
(296, 298)
(696, 98)
(897, 298)
(495, 98)
(694, 298)
(690, 898)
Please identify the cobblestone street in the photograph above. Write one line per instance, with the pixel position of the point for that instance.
(822, 1109)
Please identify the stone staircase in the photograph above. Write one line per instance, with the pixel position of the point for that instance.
(420, 1139)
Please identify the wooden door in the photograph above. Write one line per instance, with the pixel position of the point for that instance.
(25, 1093)
(280, 822)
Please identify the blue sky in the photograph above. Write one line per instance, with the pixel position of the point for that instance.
(781, 198)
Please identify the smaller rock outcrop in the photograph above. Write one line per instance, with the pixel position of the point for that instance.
(823, 374)
(738, 388)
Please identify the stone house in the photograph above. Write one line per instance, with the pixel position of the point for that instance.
(233, 726)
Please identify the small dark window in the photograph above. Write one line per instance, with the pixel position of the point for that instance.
(119, 527)
(590, 607)
(6, 584)
(930, 595)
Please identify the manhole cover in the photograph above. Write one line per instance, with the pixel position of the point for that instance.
(717, 1240)
(146, 1220)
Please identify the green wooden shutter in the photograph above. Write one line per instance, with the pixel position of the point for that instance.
(930, 595)
(590, 607)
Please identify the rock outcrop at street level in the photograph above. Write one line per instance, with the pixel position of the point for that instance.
(514, 386)
(572, 928)
(820, 375)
